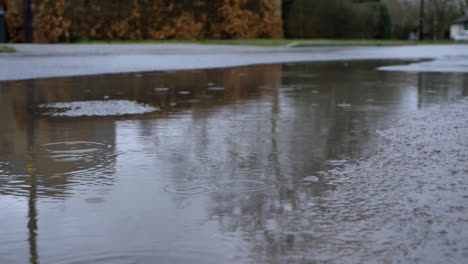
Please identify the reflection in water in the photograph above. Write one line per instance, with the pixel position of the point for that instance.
(32, 215)
(228, 170)
(31, 170)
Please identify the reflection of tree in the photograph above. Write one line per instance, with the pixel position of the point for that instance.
(55, 179)
(32, 212)
(436, 87)
(32, 181)
(296, 128)
(290, 221)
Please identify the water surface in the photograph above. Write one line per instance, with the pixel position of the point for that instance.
(204, 166)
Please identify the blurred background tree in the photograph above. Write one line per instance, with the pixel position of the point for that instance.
(69, 20)
(336, 19)
(64, 20)
(438, 16)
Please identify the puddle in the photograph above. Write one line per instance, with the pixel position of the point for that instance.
(96, 108)
(282, 136)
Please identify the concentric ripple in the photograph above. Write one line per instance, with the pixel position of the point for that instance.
(241, 185)
(58, 169)
(71, 151)
(189, 189)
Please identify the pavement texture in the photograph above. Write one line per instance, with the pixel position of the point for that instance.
(42, 61)
(408, 202)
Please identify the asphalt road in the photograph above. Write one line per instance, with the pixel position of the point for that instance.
(41, 61)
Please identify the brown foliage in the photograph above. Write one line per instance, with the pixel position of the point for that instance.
(15, 20)
(147, 19)
(241, 22)
(49, 22)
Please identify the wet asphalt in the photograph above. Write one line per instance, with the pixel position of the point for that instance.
(294, 163)
(44, 60)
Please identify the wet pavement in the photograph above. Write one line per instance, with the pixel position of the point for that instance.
(278, 163)
(43, 60)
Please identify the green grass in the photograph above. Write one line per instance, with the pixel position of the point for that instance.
(269, 42)
(7, 49)
(256, 42)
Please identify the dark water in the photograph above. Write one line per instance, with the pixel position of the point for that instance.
(218, 167)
